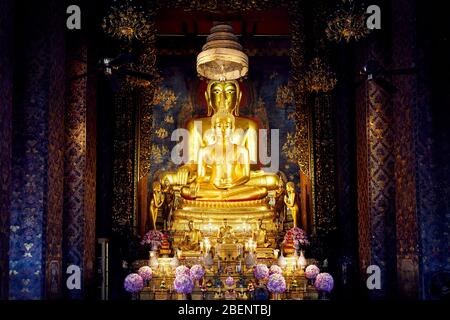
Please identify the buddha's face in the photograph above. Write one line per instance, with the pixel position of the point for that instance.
(289, 187)
(156, 187)
(166, 184)
(191, 225)
(223, 95)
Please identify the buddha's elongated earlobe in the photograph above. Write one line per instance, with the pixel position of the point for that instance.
(208, 103)
(238, 103)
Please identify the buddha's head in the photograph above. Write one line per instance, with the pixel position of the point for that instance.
(223, 95)
(191, 225)
(223, 124)
(166, 184)
(290, 187)
(156, 186)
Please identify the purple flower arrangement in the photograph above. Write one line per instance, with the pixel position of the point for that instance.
(182, 270)
(324, 282)
(299, 236)
(276, 283)
(146, 273)
(311, 271)
(229, 281)
(275, 269)
(183, 284)
(133, 283)
(153, 238)
(261, 271)
(197, 272)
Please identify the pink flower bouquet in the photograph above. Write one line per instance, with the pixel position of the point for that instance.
(197, 272)
(153, 238)
(276, 283)
(146, 273)
(311, 271)
(324, 282)
(183, 284)
(182, 270)
(133, 283)
(261, 271)
(299, 236)
(229, 281)
(275, 269)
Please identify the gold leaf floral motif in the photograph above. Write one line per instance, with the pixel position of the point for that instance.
(162, 133)
(166, 98)
(318, 77)
(347, 23)
(291, 148)
(285, 96)
(158, 153)
(169, 119)
(126, 22)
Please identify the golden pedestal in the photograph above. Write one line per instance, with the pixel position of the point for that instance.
(311, 293)
(162, 294)
(228, 252)
(264, 253)
(236, 212)
(209, 216)
(196, 294)
(147, 294)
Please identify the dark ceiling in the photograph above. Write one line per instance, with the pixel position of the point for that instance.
(271, 22)
(263, 32)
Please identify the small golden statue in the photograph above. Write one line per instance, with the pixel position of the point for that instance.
(168, 207)
(156, 203)
(226, 234)
(290, 201)
(191, 239)
(260, 236)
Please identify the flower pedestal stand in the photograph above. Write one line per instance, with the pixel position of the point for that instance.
(197, 294)
(276, 296)
(181, 296)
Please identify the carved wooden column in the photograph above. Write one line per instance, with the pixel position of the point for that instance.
(123, 153)
(375, 178)
(80, 167)
(37, 160)
(324, 143)
(404, 102)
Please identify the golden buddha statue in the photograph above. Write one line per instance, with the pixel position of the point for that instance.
(223, 168)
(192, 238)
(260, 235)
(223, 97)
(156, 203)
(220, 176)
(290, 199)
(226, 235)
